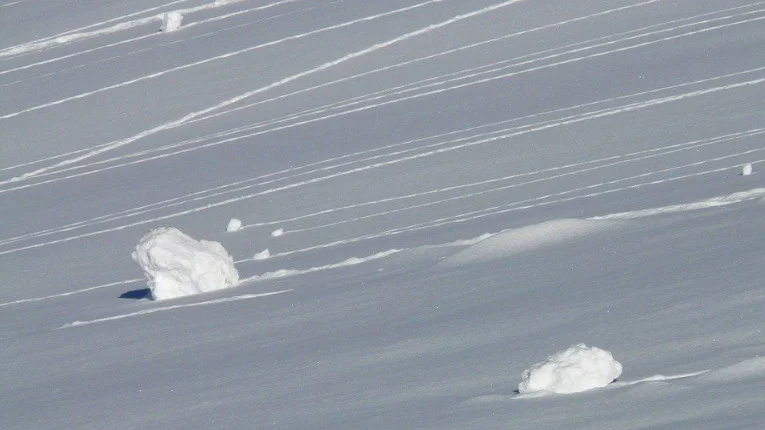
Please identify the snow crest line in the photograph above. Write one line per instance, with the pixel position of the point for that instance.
(725, 200)
(169, 308)
(188, 117)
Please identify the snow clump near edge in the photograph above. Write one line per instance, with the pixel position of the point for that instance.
(175, 265)
(576, 369)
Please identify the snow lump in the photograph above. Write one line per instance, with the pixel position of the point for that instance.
(234, 224)
(176, 265)
(171, 21)
(576, 369)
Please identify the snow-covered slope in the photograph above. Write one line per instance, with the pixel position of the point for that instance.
(438, 193)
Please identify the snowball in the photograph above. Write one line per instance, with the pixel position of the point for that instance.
(234, 225)
(171, 21)
(262, 255)
(746, 170)
(175, 265)
(576, 369)
(278, 232)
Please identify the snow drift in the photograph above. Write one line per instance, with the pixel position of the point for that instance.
(576, 369)
(176, 265)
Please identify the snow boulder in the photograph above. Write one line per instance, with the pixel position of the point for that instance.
(576, 369)
(176, 265)
(171, 21)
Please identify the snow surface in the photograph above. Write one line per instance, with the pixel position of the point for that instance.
(441, 171)
(175, 265)
(578, 368)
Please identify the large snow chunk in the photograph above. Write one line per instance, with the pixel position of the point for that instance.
(171, 21)
(176, 265)
(576, 369)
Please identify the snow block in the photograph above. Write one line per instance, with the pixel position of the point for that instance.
(234, 225)
(175, 265)
(171, 21)
(576, 369)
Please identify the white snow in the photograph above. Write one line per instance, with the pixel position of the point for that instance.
(474, 139)
(746, 170)
(234, 225)
(176, 265)
(171, 21)
(578, 368)
(278, 232)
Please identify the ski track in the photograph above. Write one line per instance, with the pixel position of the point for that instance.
(436, 55)
(173, 307)
(76, 34)
(460, 143)
(286, 80)
(156, 34)
(513, 133)
(437, 91)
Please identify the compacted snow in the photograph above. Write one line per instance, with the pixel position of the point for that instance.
(176, 265)
(435, 195)
(578, 368)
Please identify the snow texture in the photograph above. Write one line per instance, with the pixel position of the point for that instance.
(576, 369)
(176, 265)
(171, 21)
(234, 225)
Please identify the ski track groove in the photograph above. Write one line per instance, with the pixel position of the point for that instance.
(284, 81)
(437, 91)
(513, 132)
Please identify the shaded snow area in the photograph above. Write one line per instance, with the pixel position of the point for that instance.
(176, 265)
(405, 205)
(579, 368)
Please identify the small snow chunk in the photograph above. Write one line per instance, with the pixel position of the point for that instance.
(171, 21)
(278, 232)
(746, 170)
(262, 255)
(175, 265)
(576, 369)
(234, 225)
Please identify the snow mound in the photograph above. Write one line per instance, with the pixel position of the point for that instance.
(278, 232)
(576, 369)
(175, 265)
(171, 21)
(746, 170)
(234, 225)
(262, 255)
(515, 241)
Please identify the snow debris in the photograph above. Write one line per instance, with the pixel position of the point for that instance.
(746, 170)
(576, 369)
(175, 265)
(171, 21)
(234, 225)
(278, 232)
(262, 255)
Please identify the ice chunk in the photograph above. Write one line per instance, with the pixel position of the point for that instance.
(747, 170)
(278, 232)
(576, 369)
(171, 21)
(262, 255)
(176, 265)
(234, 225)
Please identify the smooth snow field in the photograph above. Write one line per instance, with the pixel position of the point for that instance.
(422, 200)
